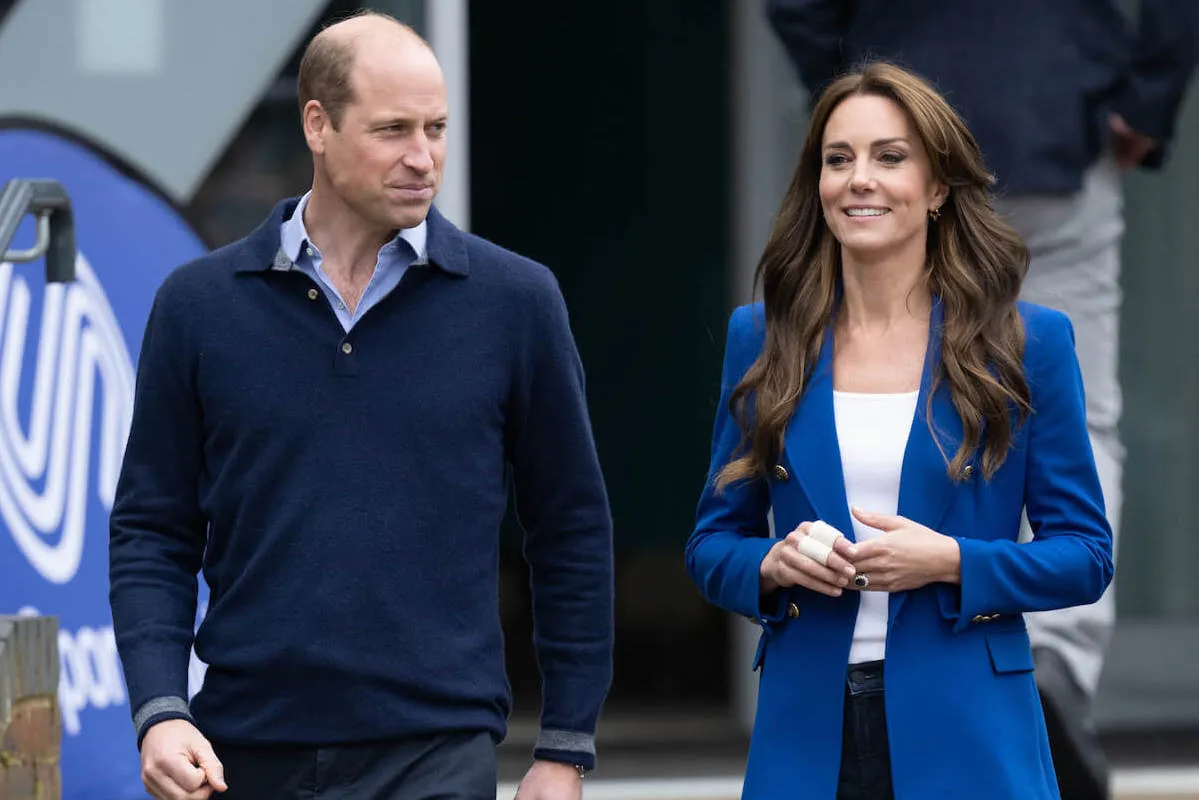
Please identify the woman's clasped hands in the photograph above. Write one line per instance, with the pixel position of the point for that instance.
(905, 555)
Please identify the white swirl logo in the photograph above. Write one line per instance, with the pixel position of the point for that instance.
(80, 341)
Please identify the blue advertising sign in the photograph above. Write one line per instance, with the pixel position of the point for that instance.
(67, 366)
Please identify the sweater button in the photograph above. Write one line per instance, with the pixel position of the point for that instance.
(347, 348)
(312, 294)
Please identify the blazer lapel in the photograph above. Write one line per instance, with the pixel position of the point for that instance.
(810, 445)
(925, 488)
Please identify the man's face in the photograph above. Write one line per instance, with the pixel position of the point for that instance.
(385, 162)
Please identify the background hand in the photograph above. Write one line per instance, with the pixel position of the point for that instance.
(1129, 147)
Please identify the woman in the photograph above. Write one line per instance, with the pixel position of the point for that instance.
(891, 386)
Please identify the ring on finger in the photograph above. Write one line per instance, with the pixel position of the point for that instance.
(861, 581)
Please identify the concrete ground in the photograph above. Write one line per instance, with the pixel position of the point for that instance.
(1152, 783)
(700, 757)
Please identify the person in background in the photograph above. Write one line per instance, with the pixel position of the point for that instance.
(329, 416)
(895, 408)
(1061, 97)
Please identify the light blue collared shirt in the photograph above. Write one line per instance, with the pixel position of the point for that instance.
(394, 259)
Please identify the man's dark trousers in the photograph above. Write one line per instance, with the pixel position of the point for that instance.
(453, 766)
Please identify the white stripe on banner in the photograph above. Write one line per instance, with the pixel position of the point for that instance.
(1141, 783)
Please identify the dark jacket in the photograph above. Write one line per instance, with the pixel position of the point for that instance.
(1036, 80)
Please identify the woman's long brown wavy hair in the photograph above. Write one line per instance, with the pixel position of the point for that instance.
(975, 265)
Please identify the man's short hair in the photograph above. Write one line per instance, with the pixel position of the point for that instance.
(325, 69)
(325, 76)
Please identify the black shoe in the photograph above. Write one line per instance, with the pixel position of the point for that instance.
(1078, 758)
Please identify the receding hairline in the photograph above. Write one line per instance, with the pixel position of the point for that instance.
(330, 57)
(347, 33)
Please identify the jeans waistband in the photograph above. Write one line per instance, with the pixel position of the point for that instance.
(864, 678)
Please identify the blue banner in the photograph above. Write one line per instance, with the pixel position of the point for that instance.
(67, 364)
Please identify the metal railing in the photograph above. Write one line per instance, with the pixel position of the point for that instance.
(48, 201)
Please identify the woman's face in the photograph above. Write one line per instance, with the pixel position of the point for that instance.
(876, 183)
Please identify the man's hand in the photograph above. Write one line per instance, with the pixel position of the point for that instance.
(178, 763)
(1129, 147)
(549, 780)
(907, 556)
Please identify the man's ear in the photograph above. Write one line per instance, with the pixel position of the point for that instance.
(316, 124)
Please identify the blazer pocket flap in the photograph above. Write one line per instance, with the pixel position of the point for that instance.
(1010, 651)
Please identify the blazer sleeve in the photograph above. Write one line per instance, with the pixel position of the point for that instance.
(732, 534)
(1069, 560)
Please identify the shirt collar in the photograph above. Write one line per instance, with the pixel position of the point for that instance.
(293, 236)
(446, 245)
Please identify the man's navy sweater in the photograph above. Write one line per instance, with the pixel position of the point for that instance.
(343, 495)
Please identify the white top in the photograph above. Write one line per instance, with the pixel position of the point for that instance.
(872, 433)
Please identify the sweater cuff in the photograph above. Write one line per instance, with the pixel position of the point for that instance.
(159, 709)
(567, 747)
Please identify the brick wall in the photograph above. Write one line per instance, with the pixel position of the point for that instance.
(30, 728)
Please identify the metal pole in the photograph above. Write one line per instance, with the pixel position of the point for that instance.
(448, 34)
(55, 231)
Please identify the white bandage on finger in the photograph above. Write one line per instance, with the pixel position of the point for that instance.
(814, 549)
(824, 533)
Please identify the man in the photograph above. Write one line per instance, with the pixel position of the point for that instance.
(328, 416)
(1060, 97)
